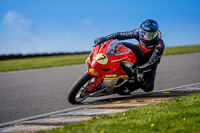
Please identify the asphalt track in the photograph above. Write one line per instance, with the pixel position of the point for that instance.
(34, 92)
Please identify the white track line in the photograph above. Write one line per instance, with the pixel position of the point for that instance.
(41, 116)
(178, 87)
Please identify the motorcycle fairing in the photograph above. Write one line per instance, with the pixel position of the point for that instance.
(104, 61)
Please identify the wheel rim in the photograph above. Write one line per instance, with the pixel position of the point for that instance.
(83, 93)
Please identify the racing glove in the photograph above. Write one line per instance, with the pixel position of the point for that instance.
(99, 40)
(133, 71)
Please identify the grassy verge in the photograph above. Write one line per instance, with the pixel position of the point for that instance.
(64, 60)
(41, 62)
(176, 115)
(182, 50)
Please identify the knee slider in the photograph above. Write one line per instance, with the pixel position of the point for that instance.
(148, 87)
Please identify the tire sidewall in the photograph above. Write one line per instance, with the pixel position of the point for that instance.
(77, 86)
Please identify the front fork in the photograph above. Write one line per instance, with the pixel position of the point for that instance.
(98, 76)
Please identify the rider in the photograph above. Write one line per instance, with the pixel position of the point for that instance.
(148, 52)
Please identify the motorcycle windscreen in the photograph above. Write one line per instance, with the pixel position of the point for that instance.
(116, 48)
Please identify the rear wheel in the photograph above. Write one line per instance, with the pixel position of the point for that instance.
(79, 92)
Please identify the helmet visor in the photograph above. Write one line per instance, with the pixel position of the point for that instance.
(145, 35)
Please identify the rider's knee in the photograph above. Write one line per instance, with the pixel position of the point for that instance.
(147, 87)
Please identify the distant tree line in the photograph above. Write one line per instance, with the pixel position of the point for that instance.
(20, 56)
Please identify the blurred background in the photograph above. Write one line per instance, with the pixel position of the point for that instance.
(38, 26)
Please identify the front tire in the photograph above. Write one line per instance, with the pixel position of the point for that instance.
(78, 91)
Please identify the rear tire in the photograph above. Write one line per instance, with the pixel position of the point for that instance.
(78, 91)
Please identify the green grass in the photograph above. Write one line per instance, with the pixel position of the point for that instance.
(64, 60)
(42, 62)
(176, 115)
(182, 50)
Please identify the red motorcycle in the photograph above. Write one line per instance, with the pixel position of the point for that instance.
(106, 74)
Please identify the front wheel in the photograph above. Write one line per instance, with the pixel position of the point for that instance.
(79, 92)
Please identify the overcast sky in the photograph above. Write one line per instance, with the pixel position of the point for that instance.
(38, 26)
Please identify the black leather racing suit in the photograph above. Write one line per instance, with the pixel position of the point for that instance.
(148, 55)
